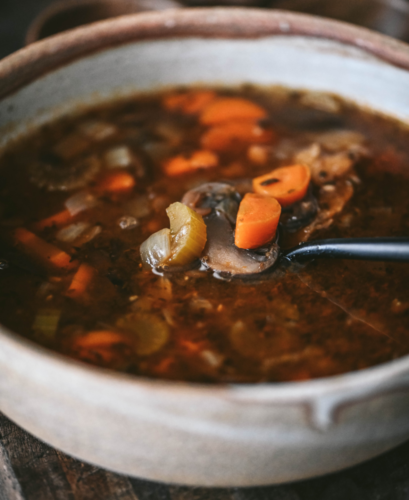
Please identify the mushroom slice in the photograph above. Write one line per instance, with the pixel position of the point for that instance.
(61, 177)
(218, 196)
(218, 202)
(223, 257)
(299, 214)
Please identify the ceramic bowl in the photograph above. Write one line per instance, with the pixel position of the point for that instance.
(183, 432)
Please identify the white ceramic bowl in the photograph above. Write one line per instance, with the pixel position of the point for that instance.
(182, 432)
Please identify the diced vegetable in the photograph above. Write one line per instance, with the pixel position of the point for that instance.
(101, 338)
(259, 154)
(188, 234)
(80, 202)
(198, 160)
(97, 130)
(235, 134)
(156, 249)
(81, 281)
(257, 220)
(214, 359)
(120, 182)
(46, 323)
(118, 157)
(199, 304)
(103, 347)
(227, 109)
(72, 232)
(47, 254)
(286, 184)
(55, 220)
(88, 235)
(150, 332)
(189, 102)
(127, 222)
(272, 341)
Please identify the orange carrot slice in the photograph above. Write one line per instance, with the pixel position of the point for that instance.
(235, 134)
(257, 220)
(81, 281)
(198, 160)
(286, 184)
(42, 251)
(118, 182)
(189, 102)
(226, 109)
(56, 220)
(101, 338)
(100, 347)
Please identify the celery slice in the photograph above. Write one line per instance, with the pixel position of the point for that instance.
(46, 323)
(150, 332)
(188, 234)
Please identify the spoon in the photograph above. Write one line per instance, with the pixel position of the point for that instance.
(392, 249)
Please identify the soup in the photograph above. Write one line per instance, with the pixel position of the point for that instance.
(80, 196)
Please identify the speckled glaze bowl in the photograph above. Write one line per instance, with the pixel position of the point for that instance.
(182, 432)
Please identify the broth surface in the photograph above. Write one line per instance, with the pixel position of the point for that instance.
(321, 319)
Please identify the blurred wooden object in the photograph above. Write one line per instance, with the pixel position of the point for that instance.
(390, 17)
(63, 15)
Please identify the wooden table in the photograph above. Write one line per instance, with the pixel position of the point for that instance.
(31, 470)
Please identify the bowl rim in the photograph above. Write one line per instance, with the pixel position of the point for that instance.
(32, 62)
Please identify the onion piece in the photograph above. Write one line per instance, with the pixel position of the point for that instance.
(212, 358)
(97, 130)
(199, 304)
(156, 249)
(88, 235)
(70, 233)
(127, 222)
(118, 157)
(79, 202)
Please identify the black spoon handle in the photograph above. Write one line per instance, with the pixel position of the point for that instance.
(380, 249)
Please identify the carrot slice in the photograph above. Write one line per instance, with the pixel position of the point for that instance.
(56, 220)
(101, 348)
(198, 160)
(235, 134)
(101, 338)
(226, 109)
(44, 252)
(257, 220)
(286, 184)
(189, 102)
(81, 281)
(118, 182)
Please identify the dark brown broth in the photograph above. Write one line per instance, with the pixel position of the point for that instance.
(328, 318)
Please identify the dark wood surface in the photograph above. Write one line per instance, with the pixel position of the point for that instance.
(31, 470)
